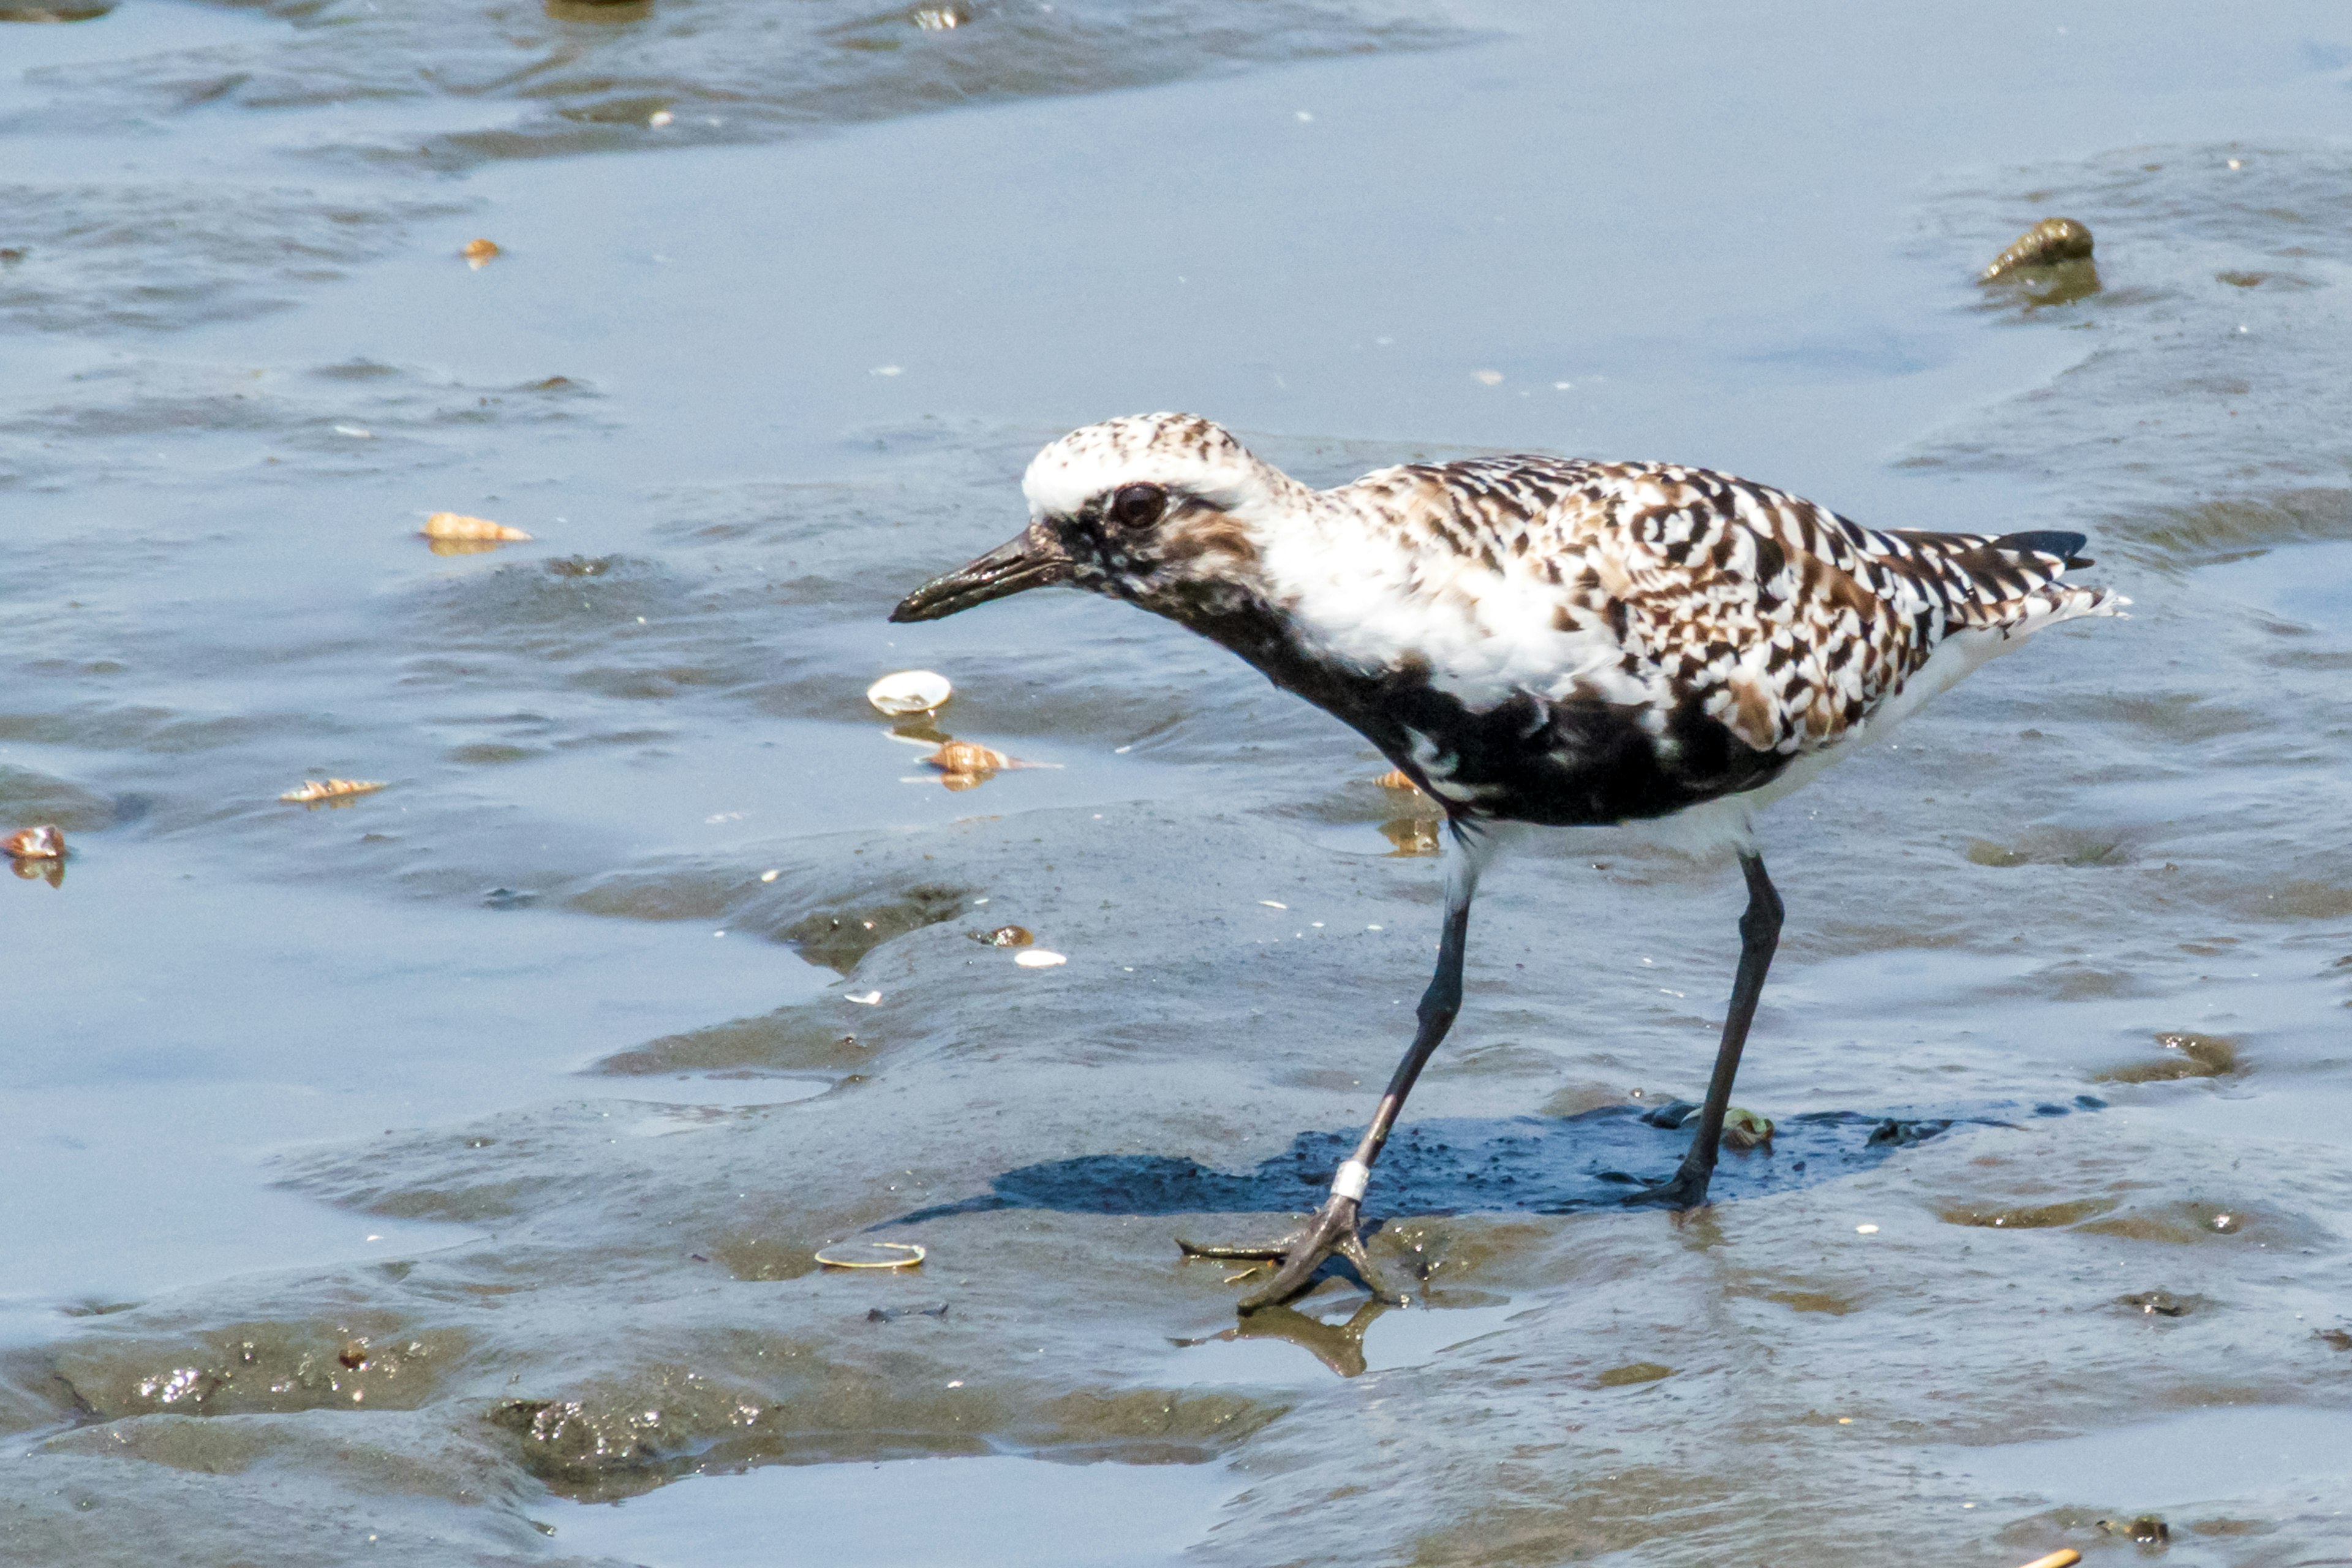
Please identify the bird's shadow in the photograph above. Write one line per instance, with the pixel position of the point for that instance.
(1532, 1165)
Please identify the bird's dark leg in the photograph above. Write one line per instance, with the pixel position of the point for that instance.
(1333, 1229)
(1759, 934)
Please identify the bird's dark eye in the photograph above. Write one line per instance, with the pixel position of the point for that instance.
(1138, 506)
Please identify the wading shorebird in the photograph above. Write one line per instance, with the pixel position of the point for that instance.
(1539, 640)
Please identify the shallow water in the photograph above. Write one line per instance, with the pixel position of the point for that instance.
(427, 1169)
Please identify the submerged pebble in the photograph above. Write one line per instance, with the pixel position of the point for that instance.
(910, 692)
(892, 1314)
(1411, 835)
(2147, 1528)
(2046, 244)
(1006, 936)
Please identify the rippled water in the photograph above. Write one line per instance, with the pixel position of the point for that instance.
(439, 1172)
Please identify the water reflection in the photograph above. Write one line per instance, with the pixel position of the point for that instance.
(1338, 1346)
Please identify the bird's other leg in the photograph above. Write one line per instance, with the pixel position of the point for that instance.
(1333, 1229)
(1759, 934)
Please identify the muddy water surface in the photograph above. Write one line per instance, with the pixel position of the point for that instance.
(440, 1171)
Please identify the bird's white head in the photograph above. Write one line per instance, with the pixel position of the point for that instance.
(1165, 510)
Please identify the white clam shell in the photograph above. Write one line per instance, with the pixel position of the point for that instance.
(910, 692)
(1038, 958)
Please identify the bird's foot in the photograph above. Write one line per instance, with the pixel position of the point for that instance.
(1296, 1258)
(1685, 1189)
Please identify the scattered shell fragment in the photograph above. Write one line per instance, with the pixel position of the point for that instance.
(863, 998)
(871, 1255)
(659, 118)
(940, 18)
(1745, 1129)
(1397, 778)
(1007, 936)
(1865, 1230)
(42, 843)
(2046, 244)
(1039, 958)
(910, 692)
(2065, 1557)
(315, 790)
(457, 525)
(479, 253)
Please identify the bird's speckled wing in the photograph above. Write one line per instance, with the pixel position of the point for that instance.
(1787, 623)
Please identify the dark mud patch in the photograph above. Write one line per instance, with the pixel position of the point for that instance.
(1530, 1163)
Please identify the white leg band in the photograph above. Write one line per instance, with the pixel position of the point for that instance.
(1349, 1181)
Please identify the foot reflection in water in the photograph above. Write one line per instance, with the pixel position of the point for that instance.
(1339, 1346)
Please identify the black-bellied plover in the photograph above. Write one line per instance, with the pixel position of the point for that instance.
(1536, 640)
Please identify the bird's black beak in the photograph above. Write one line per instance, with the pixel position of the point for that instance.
(1034, 558)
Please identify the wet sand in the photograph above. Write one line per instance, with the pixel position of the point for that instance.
(439, 1172)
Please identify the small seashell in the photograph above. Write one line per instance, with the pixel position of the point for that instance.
(1746, 1130)
(1008, 936)
(457, 526)
(479, 253)
(2065, 1557)
(871, 1255)
(1039, 958)
(909, 692)
(2047, 242)
(1397, 778)
(43, 842)
(862, 999)
(315, 790)
(659, 118)
(968, 757)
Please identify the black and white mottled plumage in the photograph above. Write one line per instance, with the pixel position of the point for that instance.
(1541, 640)
(1552, 640)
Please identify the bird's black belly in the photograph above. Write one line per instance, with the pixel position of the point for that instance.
(1573, 764)
(1563, 765)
